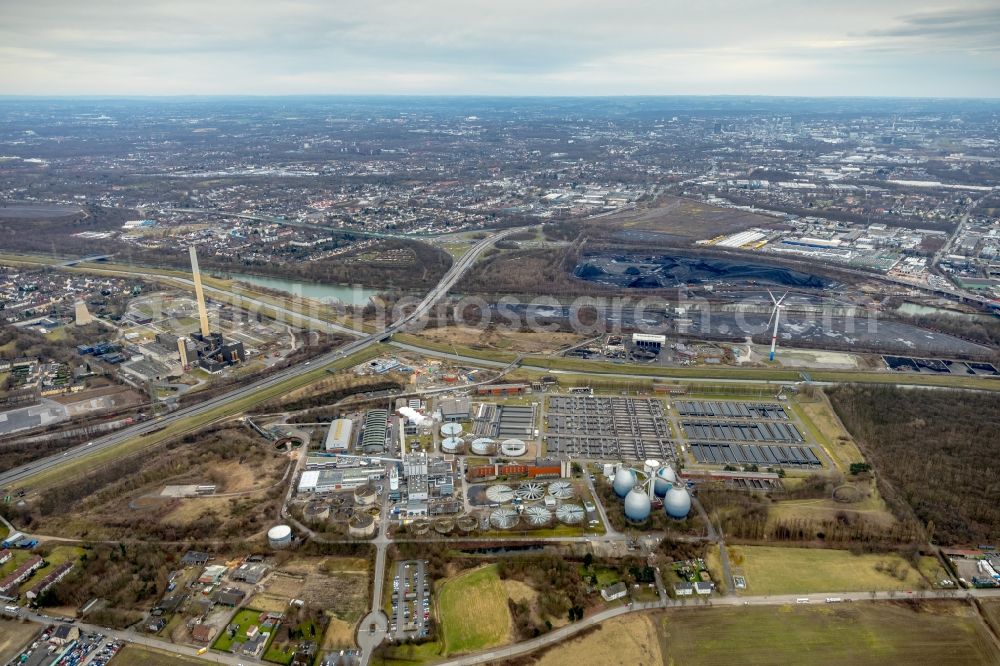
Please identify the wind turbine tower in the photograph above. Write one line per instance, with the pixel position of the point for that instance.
(776, 315)
(199, 292)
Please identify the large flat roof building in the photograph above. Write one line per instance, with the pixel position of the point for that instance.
(338, 437)
(330, 480)
(455, 409)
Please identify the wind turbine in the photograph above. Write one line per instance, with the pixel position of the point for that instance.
(775, 315)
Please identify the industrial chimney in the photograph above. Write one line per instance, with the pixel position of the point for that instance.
(199, 292)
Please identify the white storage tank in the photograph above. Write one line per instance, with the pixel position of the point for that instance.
(637, 505)
(664, 477)
(279, 536)
(677, 502)
(624, 481)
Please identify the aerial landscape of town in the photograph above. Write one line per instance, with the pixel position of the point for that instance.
(414, 379)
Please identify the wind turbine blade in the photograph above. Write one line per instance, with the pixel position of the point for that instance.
(781, 299)
(772, 297)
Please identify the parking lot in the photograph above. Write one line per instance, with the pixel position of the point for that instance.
(102, 652)
(411, 600)
(613, 428)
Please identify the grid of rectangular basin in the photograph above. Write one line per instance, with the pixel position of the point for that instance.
(730, 410)
(753, 454)
(515, 422)
(505, 421)
(729, 431)
(614, 428)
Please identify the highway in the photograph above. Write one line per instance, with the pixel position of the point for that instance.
(22, 473)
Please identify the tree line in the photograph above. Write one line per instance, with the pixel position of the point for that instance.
(934, 453)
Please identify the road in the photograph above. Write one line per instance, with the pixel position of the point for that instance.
(22, 473)
(374, 627)
(143, 639)
(553, 637)
(566, 632)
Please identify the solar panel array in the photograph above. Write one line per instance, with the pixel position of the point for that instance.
(730, 431)
(753, 454)
(730, 410)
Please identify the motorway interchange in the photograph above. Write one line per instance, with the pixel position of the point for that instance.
(19, 475)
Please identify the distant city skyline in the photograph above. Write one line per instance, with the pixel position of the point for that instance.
(445, 47)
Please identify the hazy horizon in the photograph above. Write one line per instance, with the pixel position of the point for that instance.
(776, 48)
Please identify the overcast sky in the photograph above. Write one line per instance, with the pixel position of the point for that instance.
(501, 47)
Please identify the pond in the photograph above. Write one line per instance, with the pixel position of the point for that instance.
(344, 293)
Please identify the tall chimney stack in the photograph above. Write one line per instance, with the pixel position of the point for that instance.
(199, 292)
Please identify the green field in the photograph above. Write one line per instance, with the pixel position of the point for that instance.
(773, 570)
(59, 555)
(859, 634)
(473, 611)
(244, 619)
(407, 654)
(135, 655)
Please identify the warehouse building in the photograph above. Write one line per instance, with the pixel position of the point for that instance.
(649, 341)
(455, 409)
(338, 437)
(320, 481)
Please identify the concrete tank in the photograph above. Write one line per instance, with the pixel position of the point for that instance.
(451, 430)
(484, 446)
(512, 448)
(637, 505)
(361, 526)
(677, 502)
(451, 445)
(279, 536)
(624, 481)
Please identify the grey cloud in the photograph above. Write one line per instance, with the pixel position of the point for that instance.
(534, 46)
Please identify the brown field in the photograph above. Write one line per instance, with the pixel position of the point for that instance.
(522, 592)
(339, 634)
(189, 509)
(626, 640)
(131, 399)
(772, 570)
(516, 341)
(683, 218)
(13, 637)
(821, 420)
(871, 507)
(860, 634)
(134, 655)
(124, 507)
(278, 592)
(238, 478)
(340, 585)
